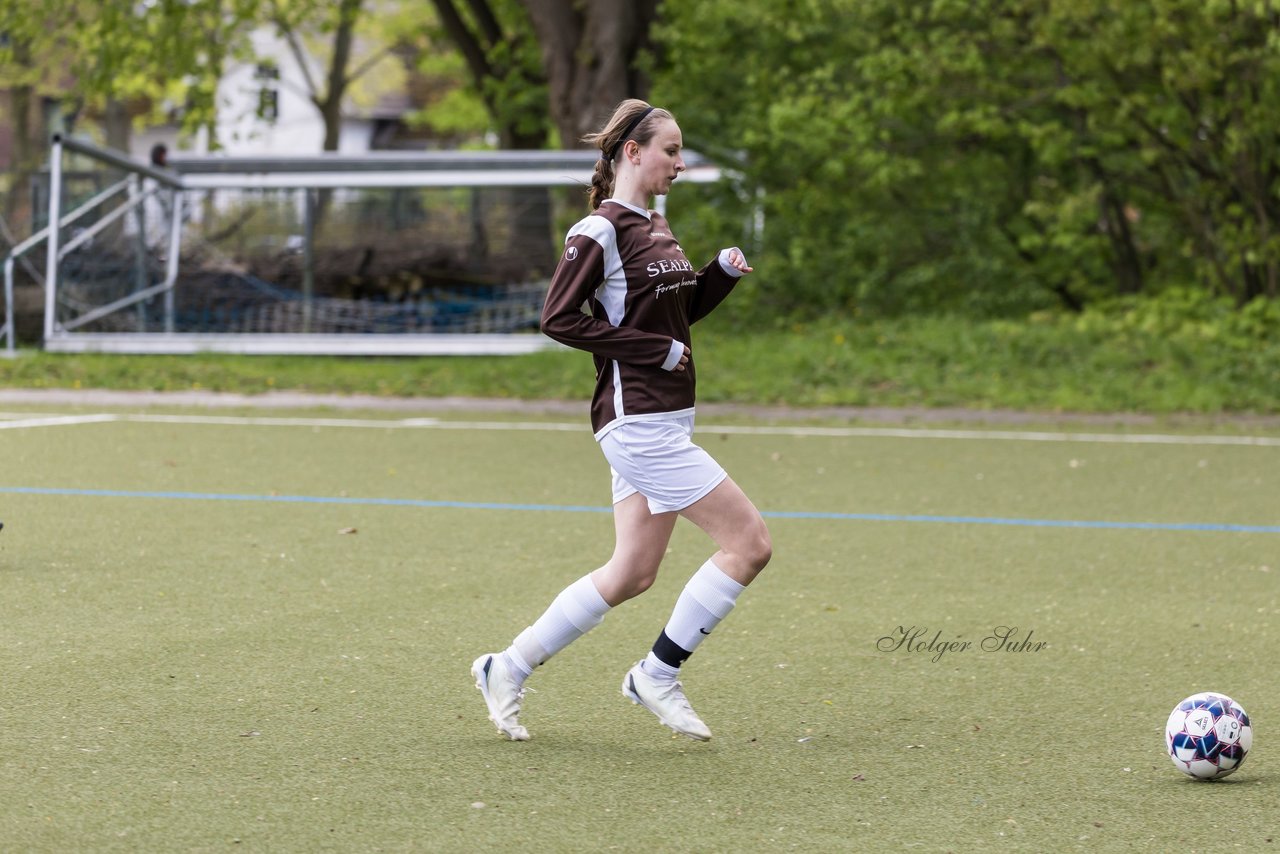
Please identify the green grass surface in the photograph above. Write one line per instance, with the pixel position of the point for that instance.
(189, 674)
(1051, 364)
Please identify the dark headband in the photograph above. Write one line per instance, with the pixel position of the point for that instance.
(626, 134)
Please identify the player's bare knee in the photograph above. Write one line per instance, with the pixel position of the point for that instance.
(756, 547)
(634, 582)
(641, 583)
(762, 549)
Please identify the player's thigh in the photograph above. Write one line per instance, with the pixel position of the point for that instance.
(727, 515)
(641, 536)
(641, 543)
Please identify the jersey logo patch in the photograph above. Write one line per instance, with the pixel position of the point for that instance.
(571, 253)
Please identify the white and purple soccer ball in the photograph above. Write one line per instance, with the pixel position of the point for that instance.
(1208, 735)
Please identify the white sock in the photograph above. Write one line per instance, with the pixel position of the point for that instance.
(577, 610)
(659, 669)
(706, 600)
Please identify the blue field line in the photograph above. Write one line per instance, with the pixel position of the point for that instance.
(1216, 527)
(1033, 523)
(298, 499)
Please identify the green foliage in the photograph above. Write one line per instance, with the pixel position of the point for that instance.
(168, 56)
(989, 157)
(1183, 352)
(169, 53)
(490, 60)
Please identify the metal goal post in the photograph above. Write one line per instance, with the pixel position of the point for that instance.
(433, 253)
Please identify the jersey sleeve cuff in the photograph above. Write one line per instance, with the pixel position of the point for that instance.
(673, 358)
(726, 266)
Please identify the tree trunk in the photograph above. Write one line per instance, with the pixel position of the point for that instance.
(589, 51)
(1126, 260)
(336, 87)
(117, 125)
(589, 48)
(330, 103)
(17, 202)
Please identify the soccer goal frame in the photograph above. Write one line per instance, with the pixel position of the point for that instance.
(165, 189)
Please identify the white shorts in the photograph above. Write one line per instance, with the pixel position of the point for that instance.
(659, 460)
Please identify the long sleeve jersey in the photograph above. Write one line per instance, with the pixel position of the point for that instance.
(625, 292)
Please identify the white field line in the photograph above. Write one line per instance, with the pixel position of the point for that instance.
(1003, 435)
(368, 423)
(22, 420)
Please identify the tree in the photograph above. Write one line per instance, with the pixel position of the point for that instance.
(306, 24)
(501, 59)
(995, 155)
(1181, 98)
(583, 61)
(583, 58)
(591, 54)
(21, 78)
(111, 59)
(571, 61)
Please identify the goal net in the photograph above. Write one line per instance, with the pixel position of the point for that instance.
(381, 254)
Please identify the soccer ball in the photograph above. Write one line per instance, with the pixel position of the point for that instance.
(1208, 735)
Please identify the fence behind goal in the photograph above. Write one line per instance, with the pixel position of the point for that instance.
(381, 254)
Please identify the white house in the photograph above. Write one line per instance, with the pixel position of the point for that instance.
(264, 107)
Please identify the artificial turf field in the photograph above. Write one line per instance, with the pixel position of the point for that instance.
(253, 631)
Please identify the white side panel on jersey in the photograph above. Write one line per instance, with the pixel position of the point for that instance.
(612, 293)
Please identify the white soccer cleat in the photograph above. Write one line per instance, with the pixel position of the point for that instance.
(667, 701)
(501, 694)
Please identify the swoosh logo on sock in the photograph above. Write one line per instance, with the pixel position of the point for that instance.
(704, 631)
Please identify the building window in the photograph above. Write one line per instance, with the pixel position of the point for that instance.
(268, 77)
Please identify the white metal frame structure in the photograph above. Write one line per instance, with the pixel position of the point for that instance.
(378, 170)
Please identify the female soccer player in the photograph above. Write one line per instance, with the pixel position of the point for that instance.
(624, 264)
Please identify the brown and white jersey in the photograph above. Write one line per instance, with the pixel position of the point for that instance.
(625, 292)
